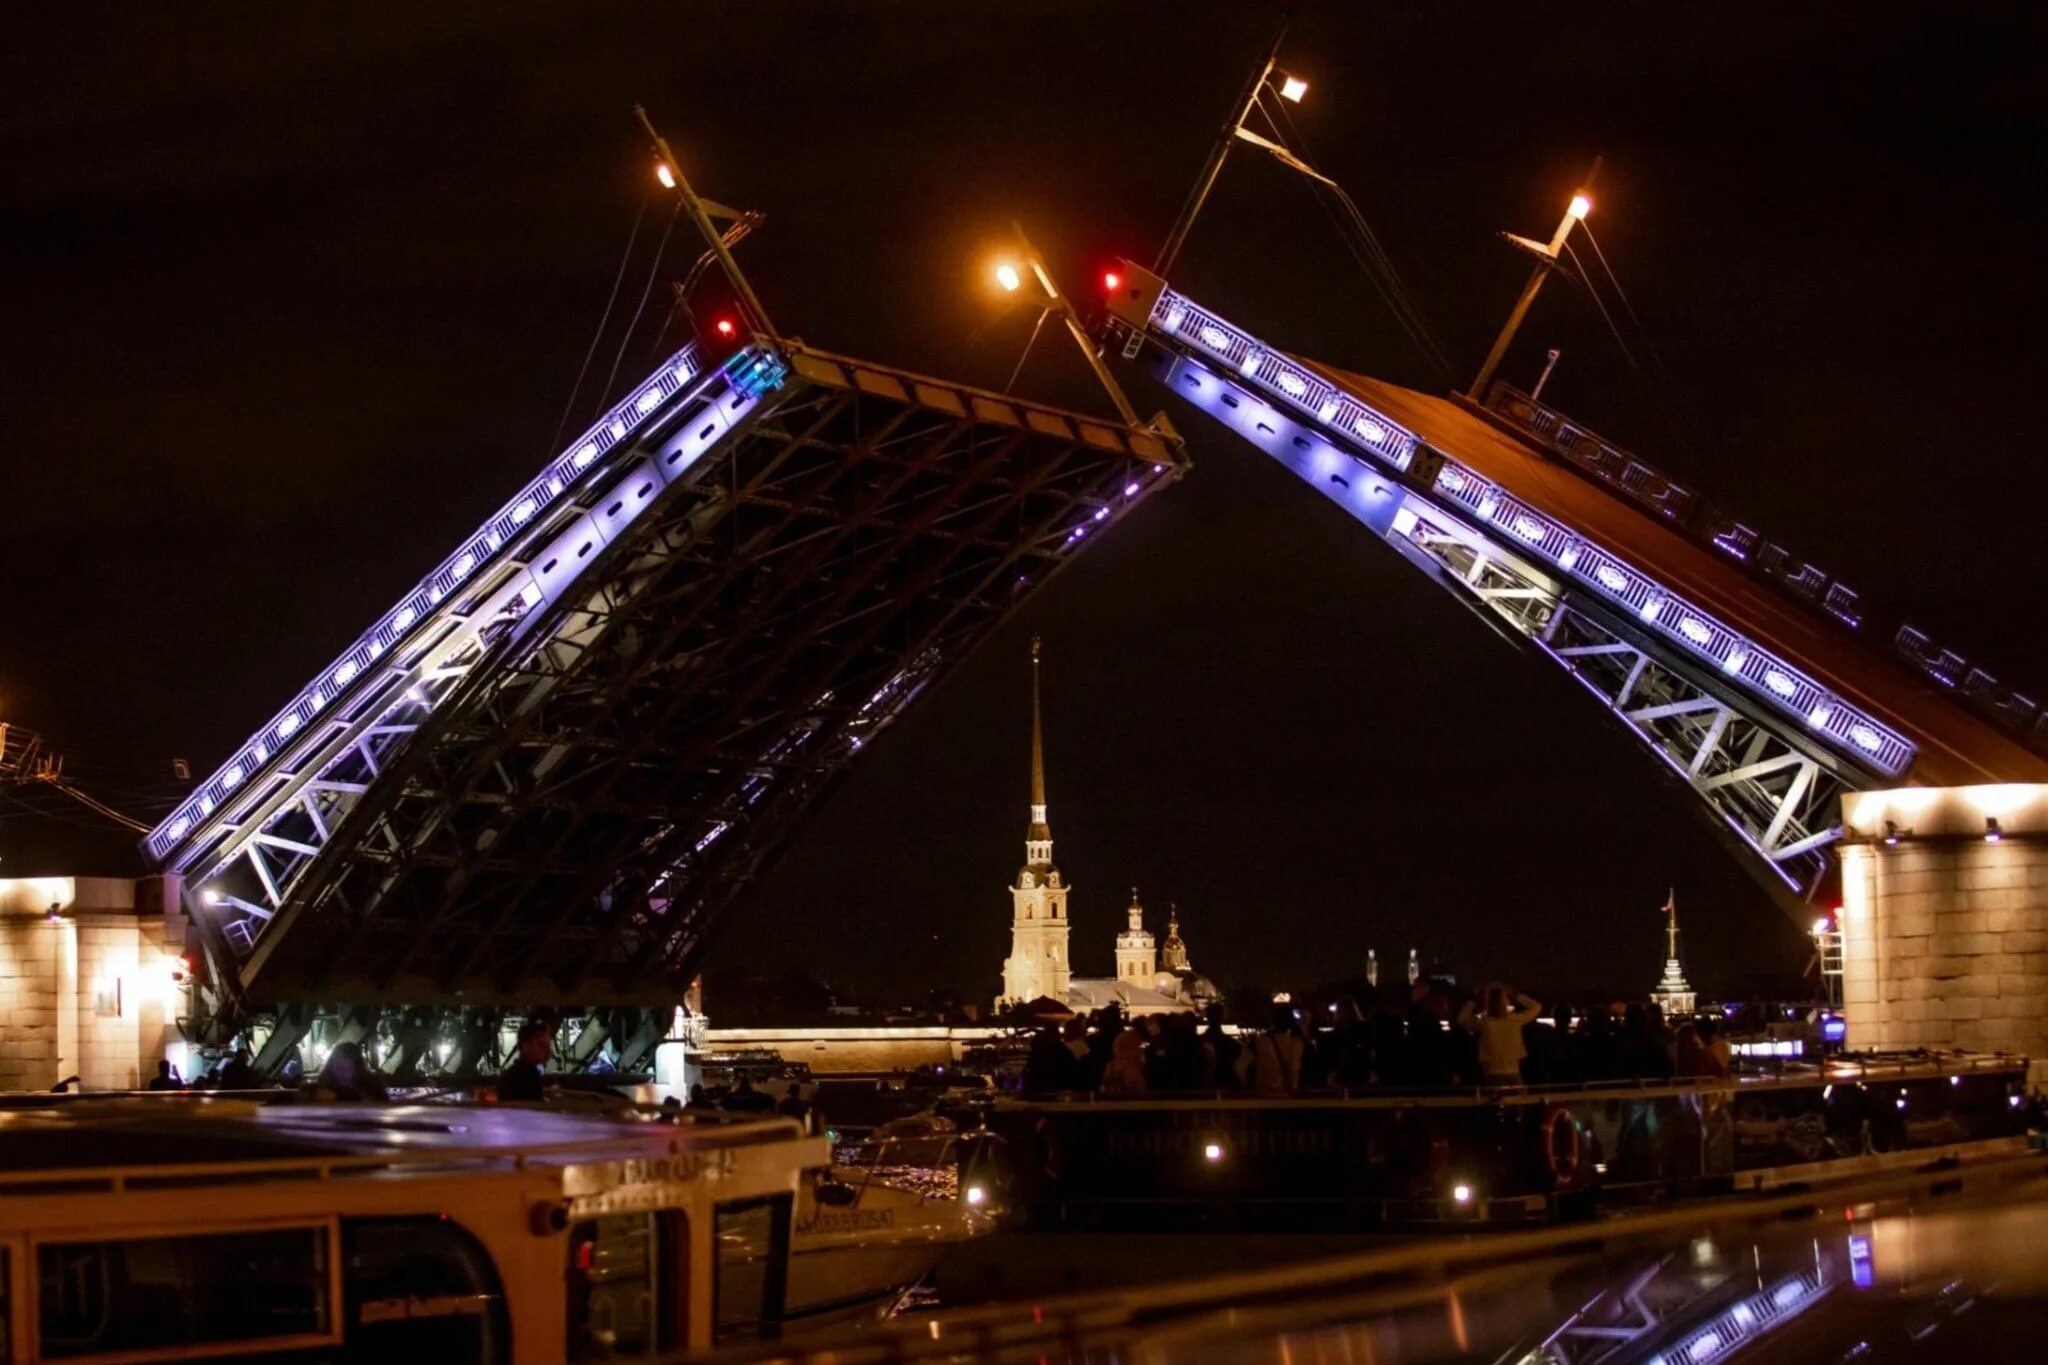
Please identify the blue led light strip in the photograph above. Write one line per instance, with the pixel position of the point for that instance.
(1761, 671)
(292, 729)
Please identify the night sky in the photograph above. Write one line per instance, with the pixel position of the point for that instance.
(291, 300)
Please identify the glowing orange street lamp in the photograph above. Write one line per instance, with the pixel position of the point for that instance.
(1581, 204)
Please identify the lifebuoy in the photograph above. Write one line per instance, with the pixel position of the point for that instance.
(1561, 1162)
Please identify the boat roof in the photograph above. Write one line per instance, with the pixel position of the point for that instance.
(182, 1131)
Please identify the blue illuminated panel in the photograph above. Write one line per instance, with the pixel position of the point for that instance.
(402, 631)
(1761, 671)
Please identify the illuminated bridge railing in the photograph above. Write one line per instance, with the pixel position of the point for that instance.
(1274, 371)
(1760, 670)
(1805, 582)
(291, 736)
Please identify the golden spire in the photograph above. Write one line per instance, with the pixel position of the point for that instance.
(1037, 735)
(1041, 831)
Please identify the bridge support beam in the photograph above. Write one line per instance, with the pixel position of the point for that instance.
(1945, 919)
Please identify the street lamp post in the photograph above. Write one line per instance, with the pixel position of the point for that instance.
(1293, 90)
(1010, 279)
(1581, 205)
(669, 172)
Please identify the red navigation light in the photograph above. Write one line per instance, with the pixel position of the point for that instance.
(1111, 281)
(725, 328)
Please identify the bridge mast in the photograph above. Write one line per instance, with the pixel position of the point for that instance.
(1546, 262)
(1205, 182)
(702, 219)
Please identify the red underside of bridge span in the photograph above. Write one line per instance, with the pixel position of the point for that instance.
(1956, 747)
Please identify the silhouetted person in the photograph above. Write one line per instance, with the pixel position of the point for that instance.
(166, 1078)
(1226, 1050)
(1047, 1063)
(1183, 1064)
(1126, 1071)
(347, 1075)
(522, 1080)
(744, 1099)
(1426, 1055)
(1496, 1019)
(239, 1073)
(793, 1106)
(1711, 1036)
(1692, 1056)
(1276, 1055)
(1642, 1052)
(1347, 1048)
(698, 1098)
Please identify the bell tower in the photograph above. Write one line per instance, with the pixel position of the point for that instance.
(1038, 964)
(1136, 956)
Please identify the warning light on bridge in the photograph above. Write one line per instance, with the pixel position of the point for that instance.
(1008, 278)
(1581, 206)
(1111, 281)
(665, 174)
(725, 328)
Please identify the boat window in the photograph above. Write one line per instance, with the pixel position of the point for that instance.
(421, 1289)
(262, 1286)
(752, 1237)
(616, 1290)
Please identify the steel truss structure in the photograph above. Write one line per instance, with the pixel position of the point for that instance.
(1673, 1310)
(1765, 748)
(538, 782)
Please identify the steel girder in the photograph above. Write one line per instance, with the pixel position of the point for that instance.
(601, 768)
(1774, 791)
(1761, 776)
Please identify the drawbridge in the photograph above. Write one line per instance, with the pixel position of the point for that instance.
(1763, 685)
(537, 782)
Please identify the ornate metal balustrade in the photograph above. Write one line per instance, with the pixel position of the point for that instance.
(1804, 582)
(1765, 746)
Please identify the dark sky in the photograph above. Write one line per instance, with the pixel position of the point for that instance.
(293, 297)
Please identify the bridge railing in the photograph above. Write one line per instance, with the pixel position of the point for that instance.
(1764, 672)
(1806, 583)
(403, 627)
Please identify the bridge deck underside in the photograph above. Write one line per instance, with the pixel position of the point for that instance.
(578, 812)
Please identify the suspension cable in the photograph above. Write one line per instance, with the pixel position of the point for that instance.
(1360, 240)
(603, 319)
(626, 337)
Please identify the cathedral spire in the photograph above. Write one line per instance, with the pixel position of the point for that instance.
(1037, 743)
(1038, 838)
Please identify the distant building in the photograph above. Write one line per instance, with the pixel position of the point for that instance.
(1037, 966)
(1150, 978)
(1674, 994)
(92, 981)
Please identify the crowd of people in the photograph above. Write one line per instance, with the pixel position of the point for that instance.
(1425, 1039)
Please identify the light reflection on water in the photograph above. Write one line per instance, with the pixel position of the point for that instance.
(1870, 1283)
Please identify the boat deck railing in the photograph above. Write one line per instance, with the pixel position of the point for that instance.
(1788, 1073)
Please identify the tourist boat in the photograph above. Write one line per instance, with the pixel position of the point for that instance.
(860, 1244)
(183, 1228)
